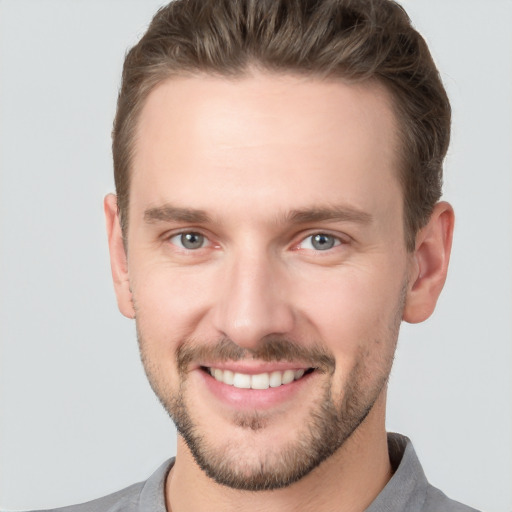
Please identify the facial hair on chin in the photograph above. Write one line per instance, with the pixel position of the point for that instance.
(330, 424)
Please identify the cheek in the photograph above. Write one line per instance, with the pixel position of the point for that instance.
(163, 315)
(168, 302)
(354, 311)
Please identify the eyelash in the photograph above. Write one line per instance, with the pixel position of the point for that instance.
(336, 241)
(184, 233)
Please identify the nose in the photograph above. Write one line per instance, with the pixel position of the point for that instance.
(253, 301)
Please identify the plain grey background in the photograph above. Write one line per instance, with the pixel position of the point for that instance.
(77, 418)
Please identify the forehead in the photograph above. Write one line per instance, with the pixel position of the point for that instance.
(312, 140)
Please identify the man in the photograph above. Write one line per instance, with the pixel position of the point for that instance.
(278, 170)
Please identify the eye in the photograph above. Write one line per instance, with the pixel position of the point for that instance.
(320, 242)
(189, 240)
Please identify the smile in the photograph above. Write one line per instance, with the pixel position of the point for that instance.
(273, 379)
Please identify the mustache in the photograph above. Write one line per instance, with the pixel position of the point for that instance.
(271, 349)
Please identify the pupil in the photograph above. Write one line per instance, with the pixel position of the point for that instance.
(192, 240)
(323, 242)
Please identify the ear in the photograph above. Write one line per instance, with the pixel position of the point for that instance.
(118, 257)
(429, 264)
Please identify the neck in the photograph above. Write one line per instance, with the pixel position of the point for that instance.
(347, 481)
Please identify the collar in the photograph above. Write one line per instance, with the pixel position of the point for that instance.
(406, 491)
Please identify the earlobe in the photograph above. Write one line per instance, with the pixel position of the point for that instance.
(118, 257)
(429, 264)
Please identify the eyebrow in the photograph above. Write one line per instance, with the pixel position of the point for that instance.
(334, 213)
(170, 213)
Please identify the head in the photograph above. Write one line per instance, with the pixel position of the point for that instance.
(278, 166)
(356, 41)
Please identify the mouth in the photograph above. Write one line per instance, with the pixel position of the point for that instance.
(260, 381)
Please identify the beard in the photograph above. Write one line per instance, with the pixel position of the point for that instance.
(330, 421)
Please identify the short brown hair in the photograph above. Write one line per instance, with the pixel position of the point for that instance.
(355, 40)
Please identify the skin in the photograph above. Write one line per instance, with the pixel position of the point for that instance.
(248, 154)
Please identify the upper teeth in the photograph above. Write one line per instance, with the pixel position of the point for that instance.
(260, 381)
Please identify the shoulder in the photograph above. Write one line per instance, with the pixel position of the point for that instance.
(125, 499)
(437, 501)
(140, 497)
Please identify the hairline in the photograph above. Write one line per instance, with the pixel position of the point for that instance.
(247, 72)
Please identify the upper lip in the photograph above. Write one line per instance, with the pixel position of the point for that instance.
(255, 367)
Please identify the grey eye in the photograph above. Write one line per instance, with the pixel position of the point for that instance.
(191, 240)
(323, 242)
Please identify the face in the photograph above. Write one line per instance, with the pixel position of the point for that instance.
(266, 266)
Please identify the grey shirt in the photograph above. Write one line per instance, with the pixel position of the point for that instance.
(407, 491)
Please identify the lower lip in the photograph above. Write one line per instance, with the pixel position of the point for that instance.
(253, 398)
